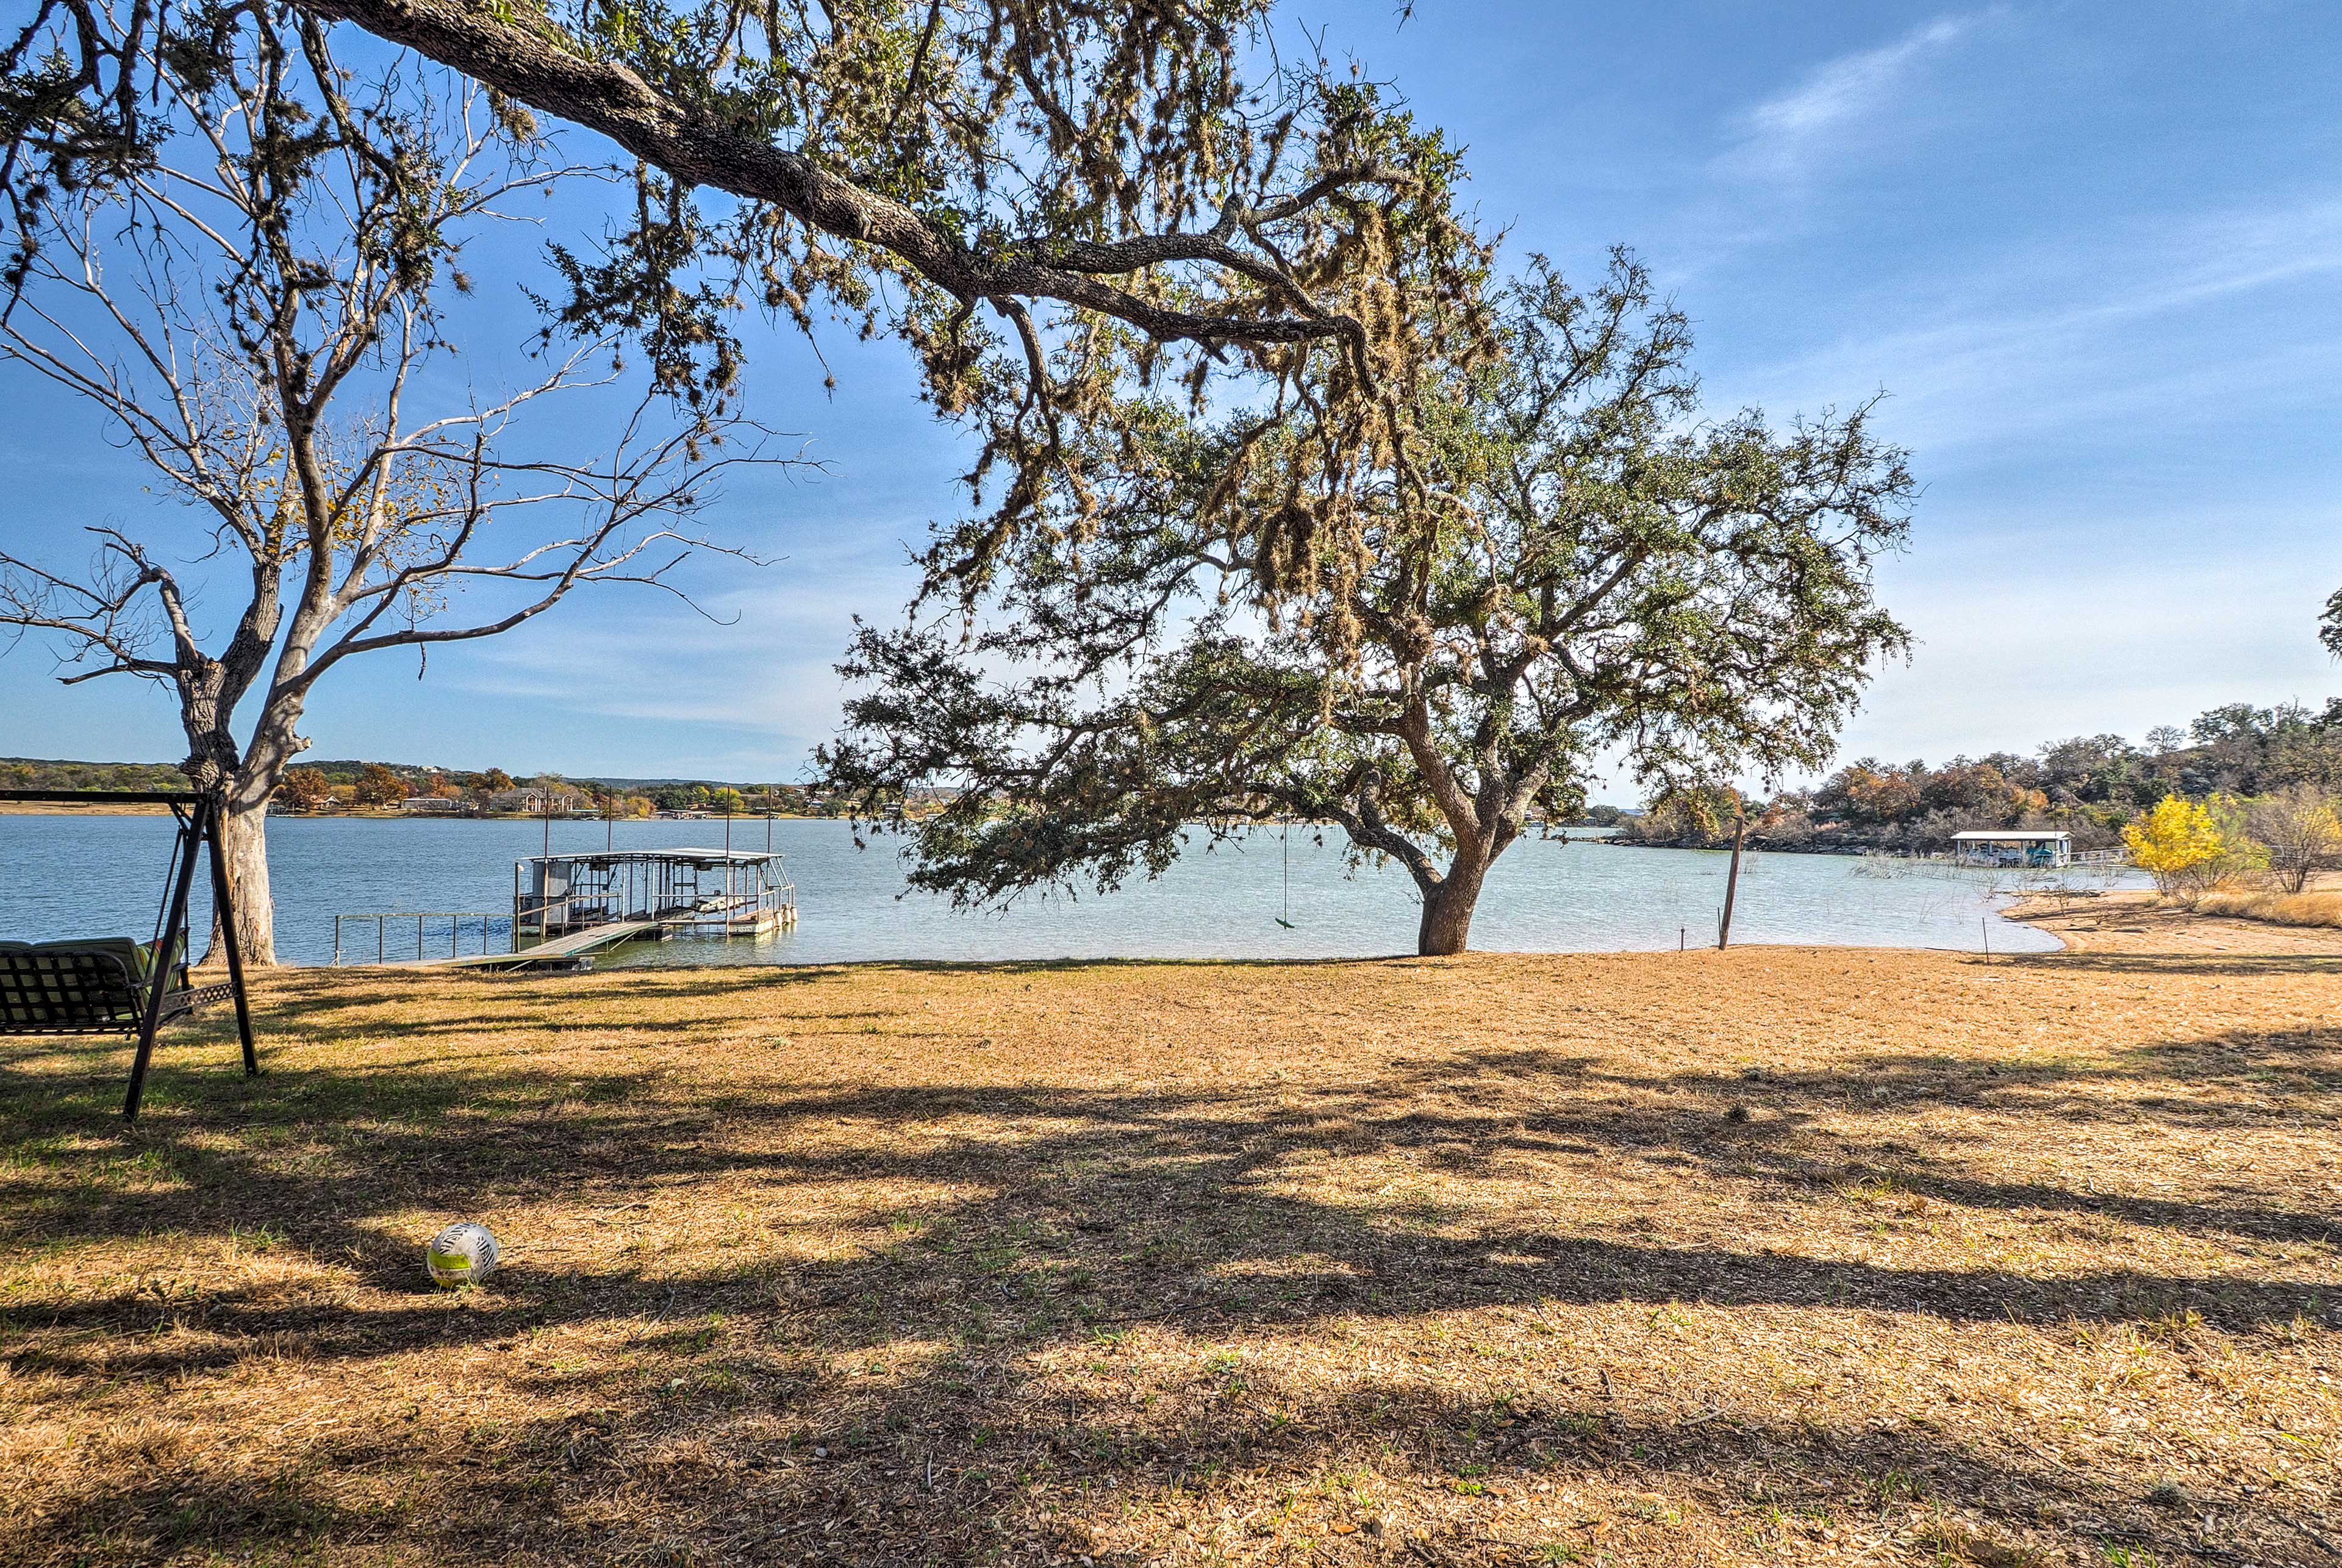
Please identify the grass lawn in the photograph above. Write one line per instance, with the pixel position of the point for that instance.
(1780, 1256)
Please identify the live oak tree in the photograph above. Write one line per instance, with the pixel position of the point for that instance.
(1052, 202)
(239, 255)
(1560, 558)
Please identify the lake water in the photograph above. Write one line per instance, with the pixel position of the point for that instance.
(89, 877)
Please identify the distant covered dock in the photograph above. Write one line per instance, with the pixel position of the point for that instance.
(2015, 846)
(568, 907)
(683, 891)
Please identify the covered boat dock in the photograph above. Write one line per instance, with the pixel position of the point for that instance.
(2015, 846)
(683, 891)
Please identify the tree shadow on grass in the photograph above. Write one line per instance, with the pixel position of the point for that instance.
(1001, 1243)
(694, 1443)
(2220, 1084)
(1174, 1191)
(2251, 964)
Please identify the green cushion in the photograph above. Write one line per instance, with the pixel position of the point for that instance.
(132, 954)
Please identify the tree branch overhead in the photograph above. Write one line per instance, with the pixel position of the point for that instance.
(697, 144)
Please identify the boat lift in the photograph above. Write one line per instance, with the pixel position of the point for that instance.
(567, 907)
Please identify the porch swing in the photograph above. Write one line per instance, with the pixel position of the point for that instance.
(114, 984)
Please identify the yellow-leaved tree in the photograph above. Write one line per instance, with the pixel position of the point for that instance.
(2175, 841)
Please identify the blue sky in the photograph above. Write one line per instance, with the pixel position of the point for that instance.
(2092, 254)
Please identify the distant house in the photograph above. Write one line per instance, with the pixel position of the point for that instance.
(431, 805)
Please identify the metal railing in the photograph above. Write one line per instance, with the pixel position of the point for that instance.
(489, 932)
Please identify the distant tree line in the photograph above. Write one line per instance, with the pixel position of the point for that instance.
(326, 787)
(2092, 786)
(330, 786)
(36, 774)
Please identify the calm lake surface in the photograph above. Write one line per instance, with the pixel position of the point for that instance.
(91, 876)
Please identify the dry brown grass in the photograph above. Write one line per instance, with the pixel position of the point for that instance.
(1777, 1255)
(2278, 908)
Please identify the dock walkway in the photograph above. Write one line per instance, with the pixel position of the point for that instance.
(585, 902)
(575, 945)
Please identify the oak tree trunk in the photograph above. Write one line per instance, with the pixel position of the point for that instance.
(1447, 926)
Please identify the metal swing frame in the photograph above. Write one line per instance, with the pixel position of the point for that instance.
(198, 819)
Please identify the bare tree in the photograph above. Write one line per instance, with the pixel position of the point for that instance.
(1051, 203)
(251, 294)
(2300, 829)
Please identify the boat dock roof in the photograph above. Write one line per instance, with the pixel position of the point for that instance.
(686, 856)
(2010, 836)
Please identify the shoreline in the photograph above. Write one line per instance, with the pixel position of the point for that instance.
(1813, 920)
(2130, 920)
(1768, 846)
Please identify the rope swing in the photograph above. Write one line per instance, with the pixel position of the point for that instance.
(1286, 919)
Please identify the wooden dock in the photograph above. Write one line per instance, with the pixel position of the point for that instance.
(575, 945)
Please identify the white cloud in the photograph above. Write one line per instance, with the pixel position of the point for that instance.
(2059, 336)
(1782, 137)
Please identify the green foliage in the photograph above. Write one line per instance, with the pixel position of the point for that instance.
(1055, 204)
(36, 774)
(1695, 811)
(1424, 645)
(2088, 784)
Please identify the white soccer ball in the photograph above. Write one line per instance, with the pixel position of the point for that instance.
(462, 1254)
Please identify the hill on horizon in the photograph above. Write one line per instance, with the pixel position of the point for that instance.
(68, 773)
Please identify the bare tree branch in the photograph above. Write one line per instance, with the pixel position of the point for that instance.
(248, 307)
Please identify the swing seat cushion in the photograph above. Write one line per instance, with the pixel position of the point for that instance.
(90, 986)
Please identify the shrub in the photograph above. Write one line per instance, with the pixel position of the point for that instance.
(2300, 831)
(2174, 842)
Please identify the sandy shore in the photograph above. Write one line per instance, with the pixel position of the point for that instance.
(1773, 1255)
(2133, 921)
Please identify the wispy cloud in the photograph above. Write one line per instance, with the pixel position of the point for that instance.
(2054, 335)
(1784, 136)
(746, 679)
